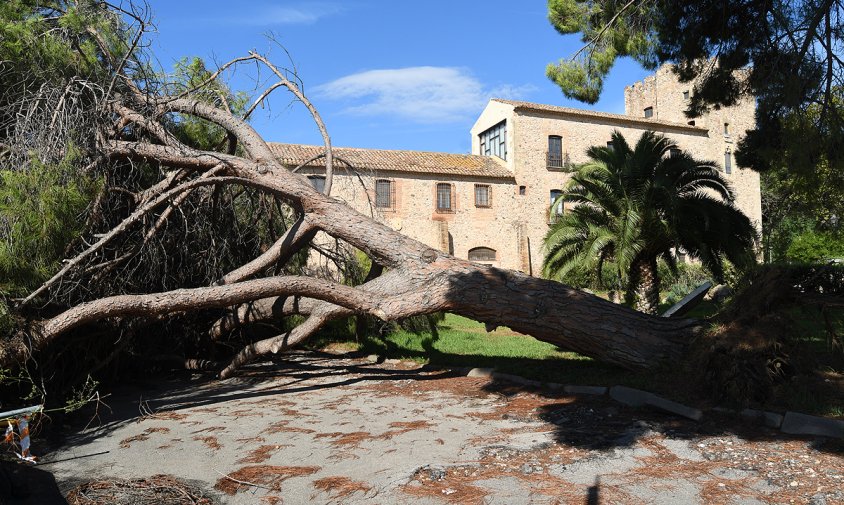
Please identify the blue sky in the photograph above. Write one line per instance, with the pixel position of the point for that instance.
(383, 74)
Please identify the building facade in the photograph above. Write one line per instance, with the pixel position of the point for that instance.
(495, 205)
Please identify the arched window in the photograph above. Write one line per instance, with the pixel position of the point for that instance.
(482, 254)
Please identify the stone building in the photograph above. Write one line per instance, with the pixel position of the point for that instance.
(494, 205)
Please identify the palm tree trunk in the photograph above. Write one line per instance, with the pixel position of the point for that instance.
(647, 288)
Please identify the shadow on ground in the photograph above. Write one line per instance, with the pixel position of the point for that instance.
(270, 379)
(599, 423)
(591, 422)
(24, 484)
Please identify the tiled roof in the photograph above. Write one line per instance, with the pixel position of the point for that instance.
(396, 161)
(568, 111)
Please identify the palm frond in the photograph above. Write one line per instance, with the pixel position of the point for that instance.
(634, 205)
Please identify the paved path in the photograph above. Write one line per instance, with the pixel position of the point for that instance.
(319, 429)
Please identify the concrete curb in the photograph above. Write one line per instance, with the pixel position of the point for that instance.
(638, 398)
(586, 390)
(769, 419)
(791, 423)
(802, 424)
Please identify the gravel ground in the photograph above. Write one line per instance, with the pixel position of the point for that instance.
(322, 429)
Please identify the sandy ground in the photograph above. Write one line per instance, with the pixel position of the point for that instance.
(321, 429)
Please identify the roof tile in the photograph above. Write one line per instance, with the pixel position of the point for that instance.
(599, 115)
(396, 161)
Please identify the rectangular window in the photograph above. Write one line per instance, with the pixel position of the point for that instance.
(384, 194)
(522, 190)
(726, 129)
(557, 208)
(555, 151)
(675, 152)
(318, 182)
(610, 146)
(685, 95)
(483, 195)
(649, 111)
(728, 162)
(445, 202)
(494, 141)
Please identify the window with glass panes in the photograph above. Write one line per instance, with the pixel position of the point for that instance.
(445, 202)
(557, 207)
(494, 141)
(555, 151)
(483, 195)
(384, 194)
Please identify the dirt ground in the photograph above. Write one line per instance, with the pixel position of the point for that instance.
(323, 429)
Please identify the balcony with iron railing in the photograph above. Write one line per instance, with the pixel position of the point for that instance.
(557, 161)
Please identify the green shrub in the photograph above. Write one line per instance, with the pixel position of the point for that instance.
(587, 279)
(688, 277)
(815, 247)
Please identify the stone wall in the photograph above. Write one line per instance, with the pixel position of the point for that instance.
(664, 93)
(578, 134)
(415, 214)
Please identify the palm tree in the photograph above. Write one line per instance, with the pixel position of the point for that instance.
(636, 206)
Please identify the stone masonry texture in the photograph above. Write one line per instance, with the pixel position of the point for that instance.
(520, 186)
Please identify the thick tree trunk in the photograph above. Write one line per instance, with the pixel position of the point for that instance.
(570, 319)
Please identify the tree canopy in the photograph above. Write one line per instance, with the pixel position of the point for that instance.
(785, 53)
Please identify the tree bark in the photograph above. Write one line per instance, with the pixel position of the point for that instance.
(647, 286)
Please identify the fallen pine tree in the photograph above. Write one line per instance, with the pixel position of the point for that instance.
(128, 130)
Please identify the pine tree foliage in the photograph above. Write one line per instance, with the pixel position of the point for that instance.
(784, 53)
(610, 29)
(66, 68)
(40, 214)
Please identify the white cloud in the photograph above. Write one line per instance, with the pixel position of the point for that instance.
(301, 14)
(421, 94)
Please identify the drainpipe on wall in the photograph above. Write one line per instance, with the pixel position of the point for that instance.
(530, 260)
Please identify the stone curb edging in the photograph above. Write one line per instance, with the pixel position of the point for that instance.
(637, 398)
(792, 423)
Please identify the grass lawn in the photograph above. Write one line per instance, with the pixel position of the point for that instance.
(459, 341)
